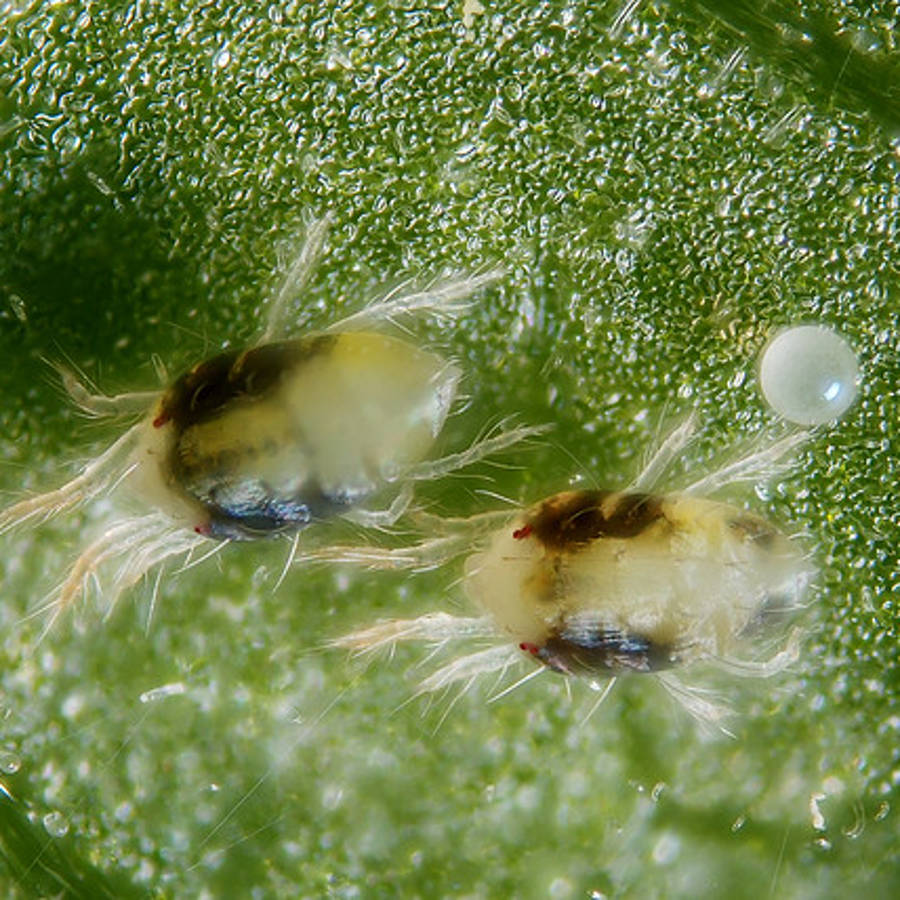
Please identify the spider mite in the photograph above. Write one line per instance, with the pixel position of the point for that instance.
(600, 583)
(265, 441)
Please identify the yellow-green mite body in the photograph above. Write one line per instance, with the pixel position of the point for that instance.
(598, 583)
(270, 439)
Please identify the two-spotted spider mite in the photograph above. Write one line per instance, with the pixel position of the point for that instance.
(600, 583)
(267, 440)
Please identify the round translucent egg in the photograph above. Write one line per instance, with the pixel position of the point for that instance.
(809, 374)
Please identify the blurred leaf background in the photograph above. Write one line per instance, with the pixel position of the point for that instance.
(667, 183)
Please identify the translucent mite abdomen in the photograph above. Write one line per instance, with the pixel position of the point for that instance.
(267, 440)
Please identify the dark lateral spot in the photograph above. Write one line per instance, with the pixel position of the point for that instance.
(575, 518)
(604, 651)
(206, 390)
(257, 512)
(754, 529)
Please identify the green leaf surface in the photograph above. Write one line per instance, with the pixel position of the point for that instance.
(667, 184)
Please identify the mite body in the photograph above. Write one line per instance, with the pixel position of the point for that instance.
(594, 582)
(599, 583)
(268, 440)
(273, 438)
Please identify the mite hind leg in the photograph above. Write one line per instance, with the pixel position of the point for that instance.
(763, 463)
(443, 298)
(667, 452)
(101, 405)
(439, 630)
(111, 543)
(295, 279)
(472, 666)
(435, 628)
(766, 668)
(759, 463)
(103, 472)
(382, 518)
(141, 541)
(702, 705)
(453, 537)
(480, 449)
(447, 299)
(422, 557)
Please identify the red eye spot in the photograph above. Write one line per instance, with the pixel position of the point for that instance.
(533, 649)
(203, 529)
(521, 533)
(161, 419)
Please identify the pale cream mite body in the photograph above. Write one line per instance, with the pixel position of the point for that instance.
(593, 582)
(271, 439)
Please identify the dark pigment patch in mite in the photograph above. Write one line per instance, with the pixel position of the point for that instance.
(241, 505)
(573, 519)
(754, 529)
(251, 517)
(601, 651)
(211, 386)
(192, 465)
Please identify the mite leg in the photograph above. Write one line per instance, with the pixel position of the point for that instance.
(295, 279)
(468, 525)
(382, 518)
(765, 668)
(481, 448)
(668, 451)
(172, 540)
(161, 540)
(98, 405)
(109, 544)
(421, 557)
(103, 472)
(763, 463)
(706, 712)
(457, 537)
(443, 298)
(473, 665)
(143, 541)
(439, 628)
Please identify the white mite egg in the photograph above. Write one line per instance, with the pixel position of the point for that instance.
(809, 374)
